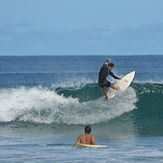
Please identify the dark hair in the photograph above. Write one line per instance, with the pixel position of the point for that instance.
(111, 64)
(87, 129)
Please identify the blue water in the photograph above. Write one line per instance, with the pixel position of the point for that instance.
(45, 102)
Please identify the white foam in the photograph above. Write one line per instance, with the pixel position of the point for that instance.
(41, 105)
(29, 104)
(100, 111)
(149, 81)
(74, 82)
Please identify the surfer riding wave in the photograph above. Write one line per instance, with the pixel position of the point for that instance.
(104, 72)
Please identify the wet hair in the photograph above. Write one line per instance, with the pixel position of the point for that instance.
(87, 129)
(111, 64)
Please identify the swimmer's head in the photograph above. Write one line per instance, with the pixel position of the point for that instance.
(87, 129)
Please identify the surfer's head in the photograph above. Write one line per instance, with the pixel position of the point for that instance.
(110, 66)
(87, 129)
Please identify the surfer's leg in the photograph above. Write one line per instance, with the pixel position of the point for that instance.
(105, 93)
(103, 85)
(114, 87)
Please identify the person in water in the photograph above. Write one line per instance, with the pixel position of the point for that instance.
(104, 72)
(87, 138)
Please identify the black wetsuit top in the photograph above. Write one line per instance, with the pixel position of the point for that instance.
(104, 72)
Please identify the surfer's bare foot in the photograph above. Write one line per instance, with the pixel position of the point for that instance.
(106, 98)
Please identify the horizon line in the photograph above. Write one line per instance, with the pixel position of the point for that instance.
(80, 55)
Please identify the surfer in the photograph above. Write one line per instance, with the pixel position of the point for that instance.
(87, 138)
(104, 72)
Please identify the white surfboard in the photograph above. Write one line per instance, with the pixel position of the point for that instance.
(124, 83)
(79, 145)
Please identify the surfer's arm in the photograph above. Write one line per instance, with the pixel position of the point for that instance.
(108, 60)
(78, 141)
(115, 77)
(93, 140)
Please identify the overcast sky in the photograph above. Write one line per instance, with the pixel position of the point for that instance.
(81, 27)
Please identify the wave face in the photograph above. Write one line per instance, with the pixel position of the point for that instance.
(138, 110)
(149, 115)
(83, 105)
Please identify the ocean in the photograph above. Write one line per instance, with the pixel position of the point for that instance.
(46, 101)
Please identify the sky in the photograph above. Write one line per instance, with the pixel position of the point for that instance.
(81, 27)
